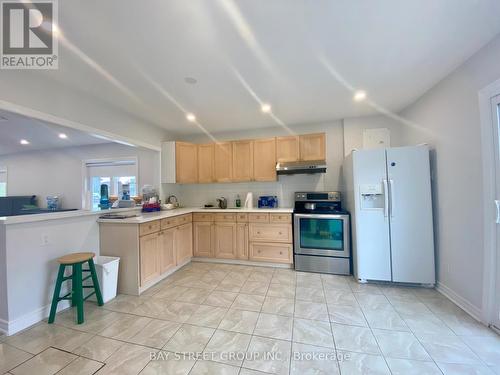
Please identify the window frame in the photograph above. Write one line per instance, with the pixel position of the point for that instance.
(4, 169)
(86, 183)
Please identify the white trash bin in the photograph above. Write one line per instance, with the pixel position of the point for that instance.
(107, 273)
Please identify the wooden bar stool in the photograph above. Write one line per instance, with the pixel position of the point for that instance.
(76, 296)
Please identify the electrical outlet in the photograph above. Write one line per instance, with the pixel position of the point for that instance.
(45, 239)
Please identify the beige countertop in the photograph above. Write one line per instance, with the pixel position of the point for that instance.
(145, 217)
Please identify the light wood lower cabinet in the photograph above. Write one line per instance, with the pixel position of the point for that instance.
(225, 240)
(271, 252)
(242, 240)
(255, 236)
(183, 242)
(167, 250)
(203, 239)
(149, 247)
(145, 257)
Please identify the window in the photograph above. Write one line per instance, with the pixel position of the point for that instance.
(114, 174)
(3, 182)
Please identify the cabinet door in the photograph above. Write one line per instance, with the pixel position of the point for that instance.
(271, 252)
(264, 159)
(183, 240)
(206, 163)
(223, 162)
(149, 246)
(287, 149)
(312, 147)
(242, 241)
(167, 250)
(225, 240)
(186, 163)
(243, 161)
(203, 239)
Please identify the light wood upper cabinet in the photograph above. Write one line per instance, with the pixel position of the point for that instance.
(223, 162)
(264, 159)
(186, 163)
(206, 163)
(203, 233)
(287, 149)
(242, 161)
(183, 241)
(312, 147)
(225, 240)
(242, 240)
(167, 250)
(149, 254)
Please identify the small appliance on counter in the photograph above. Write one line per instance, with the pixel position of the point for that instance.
(267, 201)
(150, 199)
(321, 231)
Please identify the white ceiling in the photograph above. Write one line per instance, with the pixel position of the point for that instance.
(302, 57)
(41, 135)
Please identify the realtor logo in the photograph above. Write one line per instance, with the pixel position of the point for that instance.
(29, 35)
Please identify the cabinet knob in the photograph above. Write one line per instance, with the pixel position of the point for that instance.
(280, 233)
(281, 252)
(258, 232)
(258, 251)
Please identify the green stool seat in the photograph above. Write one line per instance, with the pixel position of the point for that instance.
(75, 261)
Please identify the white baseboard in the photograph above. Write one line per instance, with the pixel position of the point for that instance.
(13, 326)
(242, 262)
(461, 302)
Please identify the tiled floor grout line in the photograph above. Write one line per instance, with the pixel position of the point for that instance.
(331, 329)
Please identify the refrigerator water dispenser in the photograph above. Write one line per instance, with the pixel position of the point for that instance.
(372, 197)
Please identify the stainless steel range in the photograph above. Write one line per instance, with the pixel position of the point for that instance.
(321, 233)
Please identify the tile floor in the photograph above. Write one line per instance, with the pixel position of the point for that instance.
(310, 323)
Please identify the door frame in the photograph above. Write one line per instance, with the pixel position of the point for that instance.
(489, 196)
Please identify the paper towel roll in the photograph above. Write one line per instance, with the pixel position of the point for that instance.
(249, 201)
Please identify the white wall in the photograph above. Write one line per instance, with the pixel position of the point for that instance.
(27, 292)
(448, 115)
(199, 194)
(59, 171)
(40, 91)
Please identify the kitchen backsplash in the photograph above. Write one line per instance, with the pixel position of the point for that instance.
(197, 195)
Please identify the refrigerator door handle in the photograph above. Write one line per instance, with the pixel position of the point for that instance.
(386, 198)
(391, 191)
(497, 203)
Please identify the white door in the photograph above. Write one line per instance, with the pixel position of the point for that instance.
(495, 105)
(412, 238)
(372, 255)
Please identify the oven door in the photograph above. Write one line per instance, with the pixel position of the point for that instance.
(321, 234)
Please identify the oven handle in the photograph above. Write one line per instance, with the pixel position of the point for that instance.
(322, 216)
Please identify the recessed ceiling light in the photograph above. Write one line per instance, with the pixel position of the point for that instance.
(266, 108)
(63, 136)
(190, 80)
(359, 96)
(190, 117)
(24, 142)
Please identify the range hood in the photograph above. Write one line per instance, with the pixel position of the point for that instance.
(301, 167)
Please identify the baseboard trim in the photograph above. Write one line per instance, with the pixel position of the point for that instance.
(11, 327)
(242, 262)
(461, 302)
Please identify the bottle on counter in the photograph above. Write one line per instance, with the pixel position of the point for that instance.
(237, 201)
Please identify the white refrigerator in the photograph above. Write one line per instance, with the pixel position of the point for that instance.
(388, 192)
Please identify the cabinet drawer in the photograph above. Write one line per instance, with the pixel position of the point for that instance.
(280, 218)
(149, 227)
(242, 218)
(184, 219)
(225, 217)
(169, 222)
(201, 216)
(271, 252)
(271, 232)
(258, 218)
